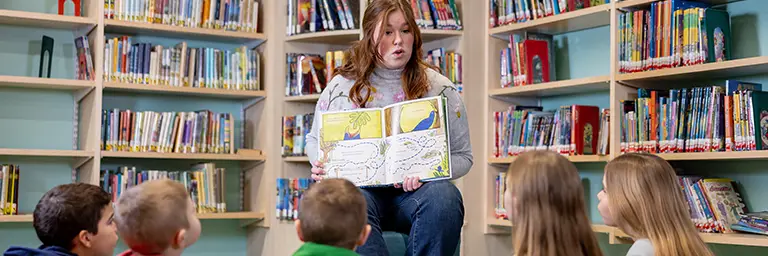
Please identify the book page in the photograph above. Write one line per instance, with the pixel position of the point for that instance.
(417, 138)
(351, 146)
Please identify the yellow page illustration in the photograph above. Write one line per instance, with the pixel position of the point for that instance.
(351, 146)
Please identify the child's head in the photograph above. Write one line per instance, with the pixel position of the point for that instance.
(333, 212)
(545, 202)
(642, 196)
(157, 217)
(77, 217)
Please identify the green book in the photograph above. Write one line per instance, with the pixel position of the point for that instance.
(718, 28)
(760, 117)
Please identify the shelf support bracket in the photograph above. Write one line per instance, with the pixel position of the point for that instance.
(80, 162)
(80, 95)
(254, 43)
(250, 103)
(246, 223)
(84, 30)
(251, 164)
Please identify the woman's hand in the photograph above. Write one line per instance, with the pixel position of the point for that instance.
(317, 170)
(409, 184)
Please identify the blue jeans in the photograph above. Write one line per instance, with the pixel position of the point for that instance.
(432, 217)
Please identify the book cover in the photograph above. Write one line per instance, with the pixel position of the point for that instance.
(760, 117)
(718, 31)
(586, 127)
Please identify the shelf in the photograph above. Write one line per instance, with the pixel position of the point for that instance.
(312, 98)
(602, 228)
(45, 83)
(23, 218)
(296, 159)
(327, 37)
(591, 17)
(499, 222)
(45, 153)
(564, 87)
(731, 68)
(597, 228)
(428, 35)
(231, 216)
(44, 20)
(129, 27)
(731, 155)
(717, 238)
(646, 3)
(181, 156)
(573, 159)
(174, 90)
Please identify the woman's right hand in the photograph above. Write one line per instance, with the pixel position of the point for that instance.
(317, 171)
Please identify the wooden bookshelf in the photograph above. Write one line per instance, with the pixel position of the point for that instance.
(45, 153)
(339, 37)
(732, 155)
(130, 27)
(175, 90)
(428, 35)
(645, 3)
(731, 68)
(744, 239)
(581, 85)
(22, 218)
(45, 83)
(44, 20)
(591, 17)
(574, 159)
(231, 216)
(602, 228)
(296, 159)
(181, 156)
(597, 228)
(303, 98)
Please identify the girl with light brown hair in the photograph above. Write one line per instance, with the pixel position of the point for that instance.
(545, 203)
(642, 197)
(383, 68)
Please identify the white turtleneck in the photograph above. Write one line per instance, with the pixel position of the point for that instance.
(388, 89)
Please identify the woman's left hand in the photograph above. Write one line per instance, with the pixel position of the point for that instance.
(409, 184)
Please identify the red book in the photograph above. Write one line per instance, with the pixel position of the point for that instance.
(586, 128)
(537, 61)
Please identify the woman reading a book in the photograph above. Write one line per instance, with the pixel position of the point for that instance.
(641, 195)
(545, 203)
(383, 68)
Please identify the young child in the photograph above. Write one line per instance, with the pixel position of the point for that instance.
(332, 219)
(156, 218)
(72, 219)
(545, 203)
(642, 197)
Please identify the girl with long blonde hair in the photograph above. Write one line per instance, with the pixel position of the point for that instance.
(545, 202)
(383, 68)
(642, 197)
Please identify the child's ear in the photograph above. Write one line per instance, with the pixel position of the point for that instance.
(179, 239)
(364, 235)
(297, 223)
(83, 238)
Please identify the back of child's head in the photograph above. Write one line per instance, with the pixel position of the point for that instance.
(333, 212)
(69, 211)
(645, 200)
(548, 209)
(156, 216)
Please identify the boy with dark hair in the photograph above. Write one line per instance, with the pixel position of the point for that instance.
(332, 219)
(72, 219)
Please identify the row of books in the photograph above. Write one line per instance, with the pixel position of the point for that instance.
(205, 183)
(436, 14)
(714, 203)
(233, 15)
(504, 12)
(181, 66)
(673, 33)
(308, 73)
(9, 189)
(450, 64)
(568, 130)
(320, 15)
(289, 193)
(529, 59)
(295, 130)
(700, 119)
(84, 68)
(500, 186)
(200, 131)
(753, 222)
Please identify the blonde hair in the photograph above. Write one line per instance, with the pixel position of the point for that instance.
(646, 202)
(550, 217)
(149, 215)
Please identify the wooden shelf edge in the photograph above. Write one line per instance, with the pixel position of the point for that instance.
(186, 90)
(319, 36)
(597, 228)
(506, 29)
(298, 159)
(48, 83)
(642, 3)
(756, 154)
(133, 25)
(446, 32)
(303, 98)
(743, 239)
(231, 216)
(686, 70)
(181, 156)
(45, 152)
(15, 17)
(16, 218)
(574, 159)
(600, 81)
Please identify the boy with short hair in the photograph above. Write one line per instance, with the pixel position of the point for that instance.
(156, 218)
(72, 219)
(333, 219)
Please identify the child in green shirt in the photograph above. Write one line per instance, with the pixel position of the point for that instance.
(332, 219)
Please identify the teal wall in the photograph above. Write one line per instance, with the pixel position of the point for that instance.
(43, 119)
(586, 53)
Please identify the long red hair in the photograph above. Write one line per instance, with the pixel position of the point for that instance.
(361, 58)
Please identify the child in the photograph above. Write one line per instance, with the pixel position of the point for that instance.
(545, 202)
(72, 219)
(642, 197)
(156, 218)
(332, 219)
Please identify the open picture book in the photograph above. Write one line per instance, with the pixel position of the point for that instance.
(381, 146)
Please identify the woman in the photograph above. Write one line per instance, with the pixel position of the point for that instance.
(642, 197)
(385, 67)
(545, 202)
